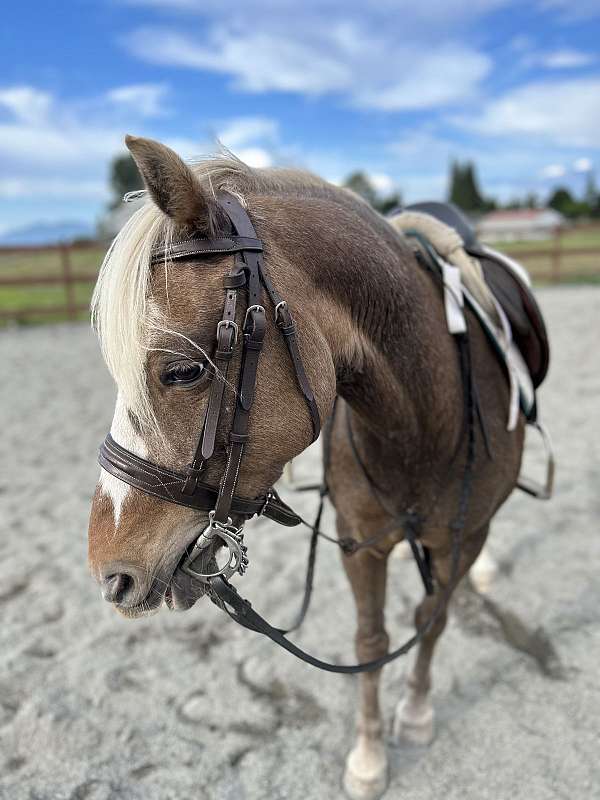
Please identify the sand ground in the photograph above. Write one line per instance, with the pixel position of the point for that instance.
(182, 706)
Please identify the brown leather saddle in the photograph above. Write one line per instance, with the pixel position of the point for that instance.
(510, 285)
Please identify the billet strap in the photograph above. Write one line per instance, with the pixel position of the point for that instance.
(169, 485)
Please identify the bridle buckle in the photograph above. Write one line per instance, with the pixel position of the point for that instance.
(268, 497)
(255, 309)
(281, 305)
(229, 323)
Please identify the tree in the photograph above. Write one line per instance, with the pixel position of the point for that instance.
(464, 188)
(124, 177)
(531, 200)
(360, 184)
(562, 200)
(591, 196)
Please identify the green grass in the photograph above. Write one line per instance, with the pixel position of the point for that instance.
(586, 237)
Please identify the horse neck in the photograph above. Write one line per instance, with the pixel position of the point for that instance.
(384, 322)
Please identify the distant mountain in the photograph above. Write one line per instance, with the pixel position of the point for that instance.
(48, 233)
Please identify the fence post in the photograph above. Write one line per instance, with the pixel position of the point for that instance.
(556, 255)
(65, 258)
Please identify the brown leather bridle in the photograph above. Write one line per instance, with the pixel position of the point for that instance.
(186, 488)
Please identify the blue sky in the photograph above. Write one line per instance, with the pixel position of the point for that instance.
(395, 88)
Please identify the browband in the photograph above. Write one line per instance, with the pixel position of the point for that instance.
(171, 486)
(206, 247)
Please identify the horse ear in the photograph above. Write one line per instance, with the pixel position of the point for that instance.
(171, 183)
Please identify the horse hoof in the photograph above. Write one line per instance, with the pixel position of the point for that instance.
(413, 723)
(483, 572)
(366, 774)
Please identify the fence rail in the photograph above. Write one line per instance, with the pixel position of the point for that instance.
(65, 278)
(555, 263)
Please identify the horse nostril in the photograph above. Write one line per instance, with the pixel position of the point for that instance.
(115, 587)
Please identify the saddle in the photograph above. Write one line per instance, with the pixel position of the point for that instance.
(510, 285)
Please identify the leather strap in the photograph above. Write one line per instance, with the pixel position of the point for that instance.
(168, 485)
(206, 247)
(243, 613)
(226, 341)
(285, 321)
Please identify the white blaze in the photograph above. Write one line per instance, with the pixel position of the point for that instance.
(123, 433)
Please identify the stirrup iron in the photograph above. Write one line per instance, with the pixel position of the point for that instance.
(532, 487)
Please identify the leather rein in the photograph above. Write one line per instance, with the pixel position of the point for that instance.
(187, 489)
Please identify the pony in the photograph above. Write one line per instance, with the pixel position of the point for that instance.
(373, 335)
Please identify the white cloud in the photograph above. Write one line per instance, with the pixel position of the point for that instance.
(553, 171)
(566, 59)
(565, 113)
(55, 154)
(243, 130)
(25, 103)
(256, 60)
(189, 149)
(437, 78)
(255, 156)
(521, 42)
(571, 11)
(382, 183)
(56, 145)
(51, 187)
(145, 99)
(582, 165)
(369, 69)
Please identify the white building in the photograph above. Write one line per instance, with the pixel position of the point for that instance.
(519, 224)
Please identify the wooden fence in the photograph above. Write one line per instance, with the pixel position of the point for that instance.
(555, 263)
(65, 277)
(560, 263)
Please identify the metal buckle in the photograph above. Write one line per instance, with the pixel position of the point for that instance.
(280, 305)
(228, 323)
(268, 497)
(256, 308)
(232, 538)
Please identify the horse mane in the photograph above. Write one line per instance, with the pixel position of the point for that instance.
(122, 312)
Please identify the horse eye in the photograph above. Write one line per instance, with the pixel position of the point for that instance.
(183, 373)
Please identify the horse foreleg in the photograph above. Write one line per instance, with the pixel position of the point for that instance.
(414, 717)
(366, 773)
(413, 721)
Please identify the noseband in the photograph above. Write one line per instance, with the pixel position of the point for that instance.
(187, 488)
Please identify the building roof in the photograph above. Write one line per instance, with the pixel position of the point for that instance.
(521, 217)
